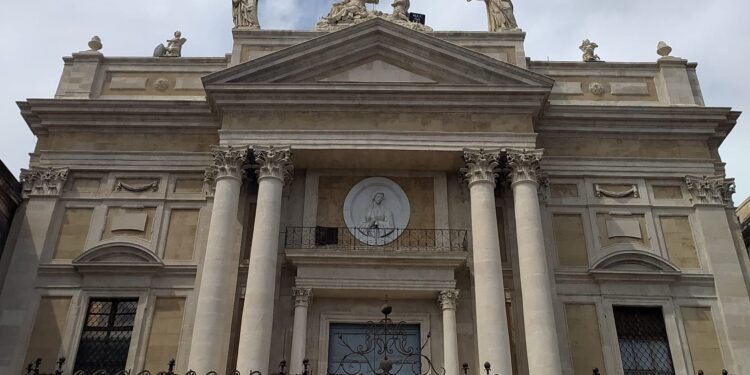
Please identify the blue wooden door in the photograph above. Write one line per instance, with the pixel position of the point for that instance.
(358, 349)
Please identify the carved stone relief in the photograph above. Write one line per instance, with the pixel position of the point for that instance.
(124, 185)
(43, 181)
(602, 191)
(711, 190)
(376, 211)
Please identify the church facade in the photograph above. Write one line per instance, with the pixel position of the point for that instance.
(240, 211)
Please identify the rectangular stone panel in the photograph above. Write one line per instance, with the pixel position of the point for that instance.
(629, 88)
(667, 192)
(188, 186)
(49, 328)
(622, 228)
(584, 339)
(570, 240)
(564, 190)
(166, 330)
(75, 228)
(137, 222)
(85, 185)
(702, 340)
(678, 237)
(183, 227)
(128, 83)
(569, 88)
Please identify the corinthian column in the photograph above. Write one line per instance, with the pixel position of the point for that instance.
(489, 292)
(274, 168)
(302, 299)
(218, 280)
(538, 307)
(448, 301)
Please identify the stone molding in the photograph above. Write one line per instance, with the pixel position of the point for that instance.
(273, 162)
(524, 165)
(711, 190)
(481, 165)
(448, 299)
(302, 296)
(43, 181)
(228, 162)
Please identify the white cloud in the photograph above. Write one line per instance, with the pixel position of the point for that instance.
(36, 34)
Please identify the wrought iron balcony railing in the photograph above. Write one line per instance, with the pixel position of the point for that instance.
(392, 239)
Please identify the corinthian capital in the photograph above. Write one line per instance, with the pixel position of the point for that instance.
(524, 165)
(273, 162)
(711, 190)
(481, 165)
(228, 162)
(448, 299)
(302, 296)
(43, 181)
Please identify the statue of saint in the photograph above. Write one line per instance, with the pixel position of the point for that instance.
(589, 51)
(500, 15)
(245, 14)
(347, 10)
(401, 10)
(378, 221)
(173, 47)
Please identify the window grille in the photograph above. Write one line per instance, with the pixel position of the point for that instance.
(644, 346)
(105, 340)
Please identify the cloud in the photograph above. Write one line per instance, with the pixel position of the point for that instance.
(38, 33)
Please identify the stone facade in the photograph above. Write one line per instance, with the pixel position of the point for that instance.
(543, 196)
(743, 213)
(10, 198)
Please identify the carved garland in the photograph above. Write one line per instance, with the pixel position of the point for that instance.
(153, 186)
(602, 192)
(481, 165)
(711, 190)
(43, 181)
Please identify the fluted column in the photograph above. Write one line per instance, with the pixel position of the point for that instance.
(448, 301)
(493, 339)
(218, 280)
(538, 306)
(274, 168)
(302, 300)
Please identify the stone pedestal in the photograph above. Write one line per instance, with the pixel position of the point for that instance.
(493, 340)
(302, 300)
(538, 307)
(448, 301)
(218, 280)
(274, 169)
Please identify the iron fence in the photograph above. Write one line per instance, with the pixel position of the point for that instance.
(330, 238)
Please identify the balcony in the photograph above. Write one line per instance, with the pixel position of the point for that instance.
(395, 240)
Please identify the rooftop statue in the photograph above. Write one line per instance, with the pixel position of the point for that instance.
(245, 14)
(173, 48)
(500, 15)
(351, 12)
(589, 51)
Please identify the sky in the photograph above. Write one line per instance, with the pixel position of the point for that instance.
(35, 35)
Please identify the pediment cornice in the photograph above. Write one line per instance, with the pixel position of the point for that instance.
(450, 76)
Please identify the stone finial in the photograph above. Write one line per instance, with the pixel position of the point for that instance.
(448, 299)
(524, 165)
(228, 162)
(43, 181)
(711, 190)
(589, 51)
(273, 162)
(302, 296)
(173, 47)
(663, 49)
(481, 165)
(95, 44)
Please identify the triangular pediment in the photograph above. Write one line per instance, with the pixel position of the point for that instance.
(378, 52)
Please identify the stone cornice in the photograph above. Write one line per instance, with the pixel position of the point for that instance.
(273, 162)
(448, 299)
(43, 182)
(524, 165)
(45, 115)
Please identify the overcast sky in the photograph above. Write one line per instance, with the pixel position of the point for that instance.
(34, 35)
